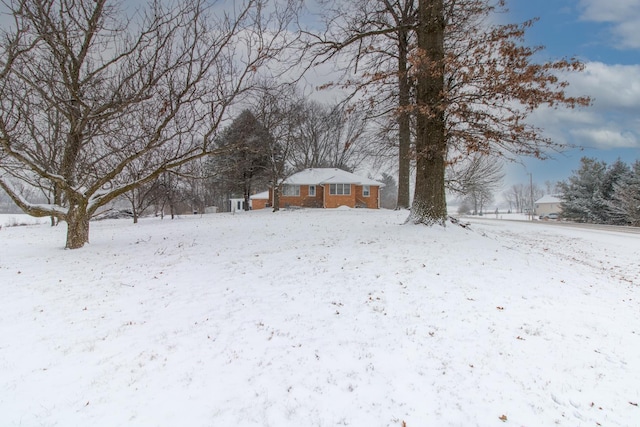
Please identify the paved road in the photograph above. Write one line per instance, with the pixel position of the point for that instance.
(618, 228)
(614, 228)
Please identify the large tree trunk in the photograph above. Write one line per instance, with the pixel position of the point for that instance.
(404, 129)
(276, 198)
(247, 194)
(134, 211)
(77, 227)
(429, 202)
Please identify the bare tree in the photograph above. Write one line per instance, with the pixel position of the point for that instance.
(330, 136)
(429, 202)
(170, 193)
(280, 108)
(476, 200)
(476, 174)
(522, 196)
(142, 198)
(474, 85)
(182, 189)
(476, 180)
(155, 85)
(515, 197)
(377, 37)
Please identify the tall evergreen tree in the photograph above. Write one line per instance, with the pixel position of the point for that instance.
(389, 192)
(624, 205)
(582, 192)
(246, 143)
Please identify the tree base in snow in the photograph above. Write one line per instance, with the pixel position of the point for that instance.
(425, 219)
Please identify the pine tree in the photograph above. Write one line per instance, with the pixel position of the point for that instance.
(582, 192)
(624, 205)
(615, 175)
(246, 159)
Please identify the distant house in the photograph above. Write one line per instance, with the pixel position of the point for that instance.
(547, 205)
(260, 200)
(329, 188)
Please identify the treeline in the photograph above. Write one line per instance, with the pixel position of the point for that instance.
(603, 194)
(281, 135)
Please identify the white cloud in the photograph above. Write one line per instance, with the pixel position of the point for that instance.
(606, 138)
(611, 86)
(609, 11)
(613, 121)
(624, 15)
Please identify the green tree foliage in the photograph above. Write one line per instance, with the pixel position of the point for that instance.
(601, 193)
(389, 192)
(581, 193)
(624, 206)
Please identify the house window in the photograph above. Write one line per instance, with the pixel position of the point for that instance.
(340, 189)
(312, 191)
(291, 190)
(366, 191)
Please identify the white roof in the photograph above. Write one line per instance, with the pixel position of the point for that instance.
(319, 176)
(549, 199)
(259, 196)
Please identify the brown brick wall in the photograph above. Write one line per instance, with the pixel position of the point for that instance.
(330, 201)
(304, 200)
(370, 201)
(259, 203)
(335, 200)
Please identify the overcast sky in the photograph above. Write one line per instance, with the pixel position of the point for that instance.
(605, 35)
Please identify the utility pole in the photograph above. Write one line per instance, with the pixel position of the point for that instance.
(531, 194)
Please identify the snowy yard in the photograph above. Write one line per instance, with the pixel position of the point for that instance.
(319, 318)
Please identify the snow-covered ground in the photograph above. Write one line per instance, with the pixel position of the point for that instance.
(17, 220)
(319, 318)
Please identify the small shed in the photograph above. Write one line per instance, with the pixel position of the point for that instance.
(237, 205)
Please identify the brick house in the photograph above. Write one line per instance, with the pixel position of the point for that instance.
(260, 200)
(329, 188)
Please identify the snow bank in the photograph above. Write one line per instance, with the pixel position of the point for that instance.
(319, 318)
